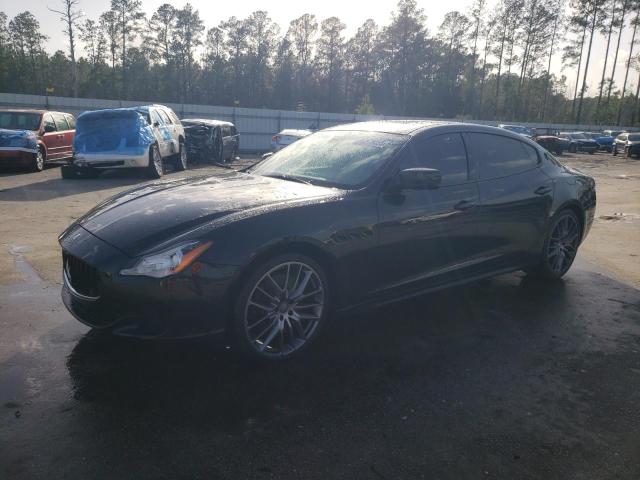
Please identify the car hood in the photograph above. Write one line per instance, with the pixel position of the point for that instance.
(140, 219)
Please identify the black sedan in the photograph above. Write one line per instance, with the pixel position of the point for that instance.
(350, 217)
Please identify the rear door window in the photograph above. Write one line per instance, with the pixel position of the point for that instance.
(71, 121)
(499, 156)
(61, 121)
(165, 117)
(225, 130)
(445, 153)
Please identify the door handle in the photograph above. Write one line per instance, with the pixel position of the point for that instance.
(463, 205)
(542, 190)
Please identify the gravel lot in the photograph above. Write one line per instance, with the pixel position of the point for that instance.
(501, 379)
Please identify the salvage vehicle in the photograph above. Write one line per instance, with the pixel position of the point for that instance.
(519, 129)
(143, 138)
(287, 137)
(579, 142)
(31, 138)
(613, 133)
(211, 140)
(628, 144)
(605, 142)
(350, 217)
(550, 140)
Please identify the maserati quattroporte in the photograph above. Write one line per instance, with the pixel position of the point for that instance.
(348, 217)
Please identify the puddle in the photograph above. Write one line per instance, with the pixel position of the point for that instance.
(617, 216)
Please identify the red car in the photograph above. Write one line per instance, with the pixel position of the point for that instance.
(30, 138)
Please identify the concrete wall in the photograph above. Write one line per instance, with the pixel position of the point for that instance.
(256, 125)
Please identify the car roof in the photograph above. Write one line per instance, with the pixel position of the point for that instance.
(207, 121)
(29, 110)
(404, 127)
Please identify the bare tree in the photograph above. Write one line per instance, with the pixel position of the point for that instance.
(634, 22)
(70, 15)
(623, 11)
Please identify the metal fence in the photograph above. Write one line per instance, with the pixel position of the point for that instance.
(256, 125)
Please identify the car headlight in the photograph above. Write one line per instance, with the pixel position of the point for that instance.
(168, 262)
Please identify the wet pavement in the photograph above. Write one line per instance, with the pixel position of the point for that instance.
(505, 378)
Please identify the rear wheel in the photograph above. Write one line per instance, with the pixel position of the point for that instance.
(281, 308)
(181, 160)
(560, 247)
(37, 164)
(155, 168)
(234, 154)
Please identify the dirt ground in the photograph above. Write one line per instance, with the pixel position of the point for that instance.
(36, 207)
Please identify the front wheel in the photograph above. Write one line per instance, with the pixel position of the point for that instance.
(281, 308)
(37, 164)
(155, 168)
(560, 247)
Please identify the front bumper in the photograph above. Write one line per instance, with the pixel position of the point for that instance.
(16, 157)
(191, 304)
(110, 160)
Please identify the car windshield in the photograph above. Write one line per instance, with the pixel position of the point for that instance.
(518, 129)
(19, 120)
(342, 159)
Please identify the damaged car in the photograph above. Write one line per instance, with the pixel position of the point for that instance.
(211, 141)
(30, 138)
(145, 138)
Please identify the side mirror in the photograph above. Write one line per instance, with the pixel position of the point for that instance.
(418, 179)
(156, 124)
(49, 128)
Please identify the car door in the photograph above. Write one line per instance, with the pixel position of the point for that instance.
(51, 138)
(64, 134)
(70, 135)
(171, 128)
(428, 236)
(515, 197)
(161, 132)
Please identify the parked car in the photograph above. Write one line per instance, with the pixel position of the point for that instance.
(287, 137)
(31, 138)
(613, 133)
(352, 216)
(605, 142)
(549, 139)
(211, 140)
(519, 129)
(628, 144)
(579, 142)
(144, 138)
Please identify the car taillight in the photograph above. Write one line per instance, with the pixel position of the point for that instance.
(275, 138)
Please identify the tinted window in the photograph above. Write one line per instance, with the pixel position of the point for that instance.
(225, 130)
(155, 118)
(47, 121)
(445, 153)
(499, 156)
(234, 131)
(61, 121)
(71, 121)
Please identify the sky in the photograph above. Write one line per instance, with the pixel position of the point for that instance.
(352, 12)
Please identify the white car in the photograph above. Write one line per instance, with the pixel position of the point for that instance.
(143, 138)
(287, 137)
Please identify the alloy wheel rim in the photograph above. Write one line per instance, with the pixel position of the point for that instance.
(39, 161)
(284, 309)
(563, 244)
(157, 161)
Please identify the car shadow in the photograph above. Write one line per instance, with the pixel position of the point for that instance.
(360, 356)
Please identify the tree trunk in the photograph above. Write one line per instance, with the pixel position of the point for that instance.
(586, 65)
(615, 58)
(626, 75)
(546, 90)
(575, 91)
(606, 57)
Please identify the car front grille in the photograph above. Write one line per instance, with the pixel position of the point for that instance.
(82, 277)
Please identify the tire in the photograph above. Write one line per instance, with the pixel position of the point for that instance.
(591, 152)
(156, 166)
(560, 246)
(234, 154)
(559, 152)
(267, 325)
(627, 152)
(614, 151)
(181, 162)
(37, 164)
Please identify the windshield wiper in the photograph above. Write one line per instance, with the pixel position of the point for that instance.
(292, 178)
